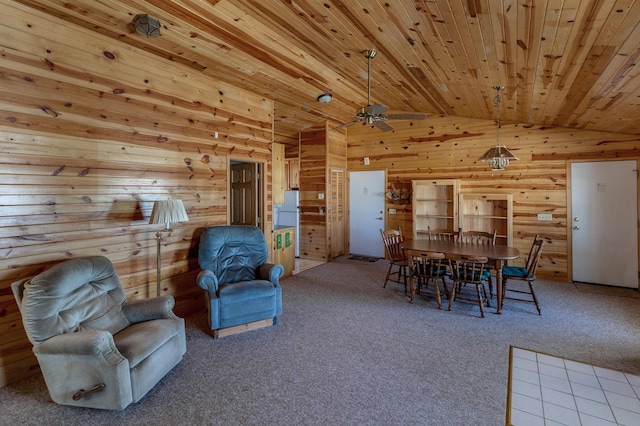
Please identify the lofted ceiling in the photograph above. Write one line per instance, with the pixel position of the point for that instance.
(568, 63)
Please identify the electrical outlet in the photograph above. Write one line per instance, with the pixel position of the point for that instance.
(545, 216)
(392, 211)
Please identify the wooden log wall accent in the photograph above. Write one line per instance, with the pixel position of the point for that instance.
(447, 147)
(92, 132)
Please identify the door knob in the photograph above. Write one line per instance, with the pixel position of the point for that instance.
(575, 228)
(576, 219)
(379, 218)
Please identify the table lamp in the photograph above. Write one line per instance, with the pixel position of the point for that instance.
(166, 211)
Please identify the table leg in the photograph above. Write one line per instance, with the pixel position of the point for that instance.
(499, 285)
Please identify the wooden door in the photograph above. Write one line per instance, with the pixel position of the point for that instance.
(244, 194)
(337, 220)
(366, 212)
(604, 223)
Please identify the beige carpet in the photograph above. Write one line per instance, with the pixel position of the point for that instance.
(347, 351)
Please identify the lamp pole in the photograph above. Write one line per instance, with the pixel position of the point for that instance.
(158, 239)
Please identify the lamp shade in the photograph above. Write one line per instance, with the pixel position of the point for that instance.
(168, 211)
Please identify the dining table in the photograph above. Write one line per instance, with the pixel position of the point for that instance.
(497, 254)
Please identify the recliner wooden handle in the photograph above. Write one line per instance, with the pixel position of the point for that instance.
(82, 393)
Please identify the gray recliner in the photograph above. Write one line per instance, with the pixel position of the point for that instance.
(94, 349)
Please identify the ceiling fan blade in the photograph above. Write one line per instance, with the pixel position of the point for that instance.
(383, 126)
(347, 124)
(375, 109)
(407, 116)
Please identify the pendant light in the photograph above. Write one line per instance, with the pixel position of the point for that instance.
(498, 157)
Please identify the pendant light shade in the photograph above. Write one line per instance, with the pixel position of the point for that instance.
(498, 157)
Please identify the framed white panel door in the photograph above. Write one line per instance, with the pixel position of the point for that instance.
(366, 212)
(604, 223)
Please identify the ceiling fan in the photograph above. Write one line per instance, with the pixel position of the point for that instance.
(374, 114)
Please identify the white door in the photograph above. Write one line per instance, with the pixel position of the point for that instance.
(604, 226)
(366, 212)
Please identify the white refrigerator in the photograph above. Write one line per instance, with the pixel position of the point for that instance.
(288, 214)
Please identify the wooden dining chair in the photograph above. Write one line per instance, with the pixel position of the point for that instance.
(425, 268)
(478, 237)
(526, 273)
(443, 234)
(482, 238)
(469, 270)
(393, 239)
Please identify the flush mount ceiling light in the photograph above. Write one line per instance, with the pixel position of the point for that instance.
(146, 25)
(325, 98)
(498, 156)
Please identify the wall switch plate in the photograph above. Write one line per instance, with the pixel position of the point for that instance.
(321, 196)
(392, 211)
(545, 216)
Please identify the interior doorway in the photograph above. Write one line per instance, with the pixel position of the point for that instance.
(366, 212)
(604, 222)
(245, 193)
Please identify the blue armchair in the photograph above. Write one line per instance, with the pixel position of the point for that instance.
(242, 290)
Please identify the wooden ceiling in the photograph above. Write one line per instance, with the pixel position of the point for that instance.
(568, 63)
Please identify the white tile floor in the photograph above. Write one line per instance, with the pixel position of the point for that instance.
(547, 390)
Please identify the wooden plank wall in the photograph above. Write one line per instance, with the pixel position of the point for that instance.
(446, 147)
(313, 181)
(321, 150)
(335, 213)
(93, 132)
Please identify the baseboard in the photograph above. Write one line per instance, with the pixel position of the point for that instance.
(224, 332)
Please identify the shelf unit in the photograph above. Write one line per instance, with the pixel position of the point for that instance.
(434, 205)
(292, 173)
(486, 212)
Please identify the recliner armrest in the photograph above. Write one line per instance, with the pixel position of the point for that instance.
(97, 342)
(208, 281)
(149, 309)
(271, 272)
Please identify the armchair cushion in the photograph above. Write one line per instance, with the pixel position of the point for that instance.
(232, 253)
(148, 309)
(97, 342)
(84, 294)
(514, 271)
(140, 340)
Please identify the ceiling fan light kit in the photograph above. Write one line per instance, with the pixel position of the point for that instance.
(374, 113)
(498, 157)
